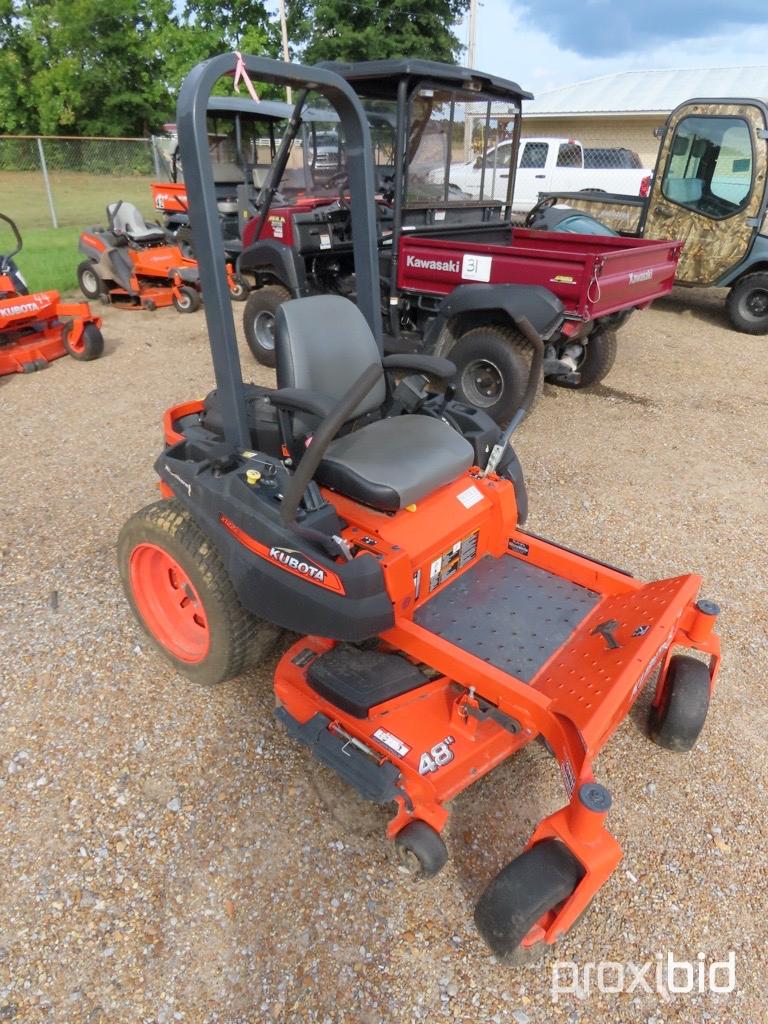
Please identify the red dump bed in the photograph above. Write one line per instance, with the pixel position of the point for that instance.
(593, 275)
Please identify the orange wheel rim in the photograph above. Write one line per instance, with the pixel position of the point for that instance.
(169, 604)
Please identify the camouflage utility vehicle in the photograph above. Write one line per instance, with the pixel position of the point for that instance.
(709, 191)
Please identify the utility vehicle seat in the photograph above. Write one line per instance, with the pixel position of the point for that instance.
(125, 219)
(323, 344)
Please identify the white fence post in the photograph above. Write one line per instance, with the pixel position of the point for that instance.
(44, 169)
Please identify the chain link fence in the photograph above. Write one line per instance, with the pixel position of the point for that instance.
(67, 182)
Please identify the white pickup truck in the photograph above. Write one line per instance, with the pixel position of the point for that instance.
(544, 165)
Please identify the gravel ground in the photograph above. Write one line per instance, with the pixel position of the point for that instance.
(166, 855)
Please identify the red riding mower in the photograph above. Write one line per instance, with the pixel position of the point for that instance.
(36, 329)
(132, 264)
(354, 507)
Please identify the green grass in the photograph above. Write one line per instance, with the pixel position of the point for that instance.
(49, 258)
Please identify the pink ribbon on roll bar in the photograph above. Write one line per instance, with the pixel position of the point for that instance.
(241, 73)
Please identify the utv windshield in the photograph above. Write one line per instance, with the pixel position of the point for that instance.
(459, 147)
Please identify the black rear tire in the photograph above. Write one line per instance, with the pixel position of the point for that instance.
(259, 321)
(597, 361)
(188, 300)
(238, 639)
(492, 368)
(421, 849)
(537, 881)
(747, 304)
(677, 722)
(90, 283)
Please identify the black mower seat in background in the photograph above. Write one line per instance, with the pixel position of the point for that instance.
(323, 344)
(125, 219)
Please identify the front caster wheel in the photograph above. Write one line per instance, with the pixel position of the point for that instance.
(421, 849)
(180, 592)
(677, 722)
(521, 895)
(188, 299)
(90, 344)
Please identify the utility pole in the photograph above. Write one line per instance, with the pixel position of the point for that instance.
(471, 42)
(284, 33)
(472, 34)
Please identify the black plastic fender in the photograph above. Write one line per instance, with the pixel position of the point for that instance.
(277, 260)
(537, 304)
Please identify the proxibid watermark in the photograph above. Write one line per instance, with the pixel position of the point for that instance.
(665, 976)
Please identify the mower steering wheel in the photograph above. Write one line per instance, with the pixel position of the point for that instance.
(322, 437)
(7, 257)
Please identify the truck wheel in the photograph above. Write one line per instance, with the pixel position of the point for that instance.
(747, 304)
(181, 593)
(259, 321)
(492, 366)
(90, 283)
(597, 361)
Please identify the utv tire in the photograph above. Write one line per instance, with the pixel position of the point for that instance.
(747, 304)
(677, 723)
(180, 592)
(89, 346)
(492, 367)
(537, 881)
(259, 321)
(597, 361)
(90, 283)
(421, 849)
(188, 300)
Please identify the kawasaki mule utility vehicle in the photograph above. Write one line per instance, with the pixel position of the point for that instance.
(450, 265)
(710, 190)
(352, 506)
(36, 329)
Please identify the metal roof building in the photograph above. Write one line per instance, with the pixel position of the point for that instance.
(623, 109)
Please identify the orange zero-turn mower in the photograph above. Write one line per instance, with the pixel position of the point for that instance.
(357, 508)
(136, 265)
(37, 328)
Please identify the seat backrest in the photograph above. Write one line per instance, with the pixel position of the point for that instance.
(684, 190)
(324, 343)
(125, 217)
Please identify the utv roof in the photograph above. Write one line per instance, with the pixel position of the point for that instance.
(381, 77)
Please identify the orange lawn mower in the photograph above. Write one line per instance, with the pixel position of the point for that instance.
(37, 328)
(137, 265)
(370, 513)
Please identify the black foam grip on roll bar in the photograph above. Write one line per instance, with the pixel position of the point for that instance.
(322, 437)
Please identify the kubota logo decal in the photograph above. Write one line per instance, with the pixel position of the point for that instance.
(21, 307)
(295, 562)
(298, 562)
(419, 263)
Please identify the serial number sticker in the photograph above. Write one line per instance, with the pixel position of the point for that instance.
(470, 497)
(439, 214)
(476, 268)
(392, 742)
(325, 241)
(518, 546)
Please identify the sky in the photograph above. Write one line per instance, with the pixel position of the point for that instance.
(541, 44)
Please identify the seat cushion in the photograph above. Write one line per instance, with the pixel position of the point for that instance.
(395, 462)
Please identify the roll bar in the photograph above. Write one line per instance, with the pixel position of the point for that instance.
(191, 112)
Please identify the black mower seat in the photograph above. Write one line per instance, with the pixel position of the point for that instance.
(323, 344)
(125, 219)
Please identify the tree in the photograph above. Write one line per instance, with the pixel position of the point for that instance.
(369, 30)
(112, 67)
